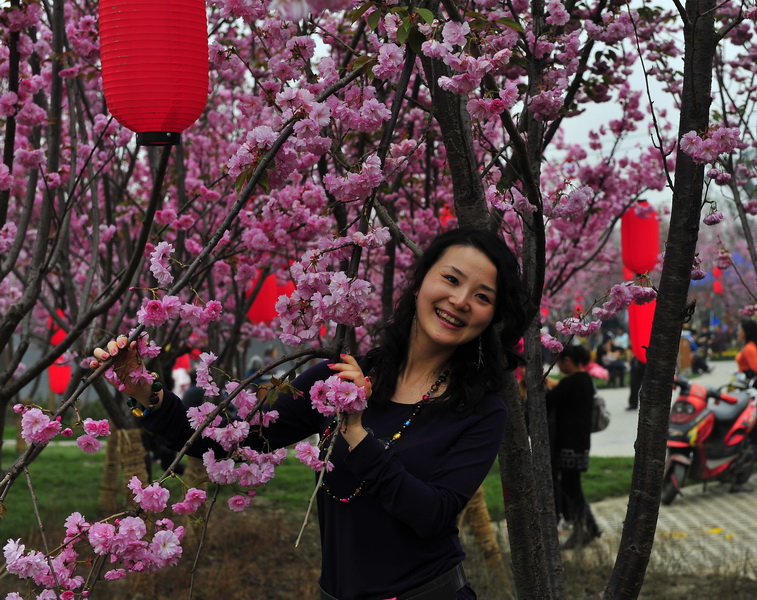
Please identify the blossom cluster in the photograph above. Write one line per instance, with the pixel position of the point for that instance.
(619, 297)
(39, 428)
(246, 468)
(155, 312)
(125, 544)
(321, 295)
(335, 395)
(716, 141)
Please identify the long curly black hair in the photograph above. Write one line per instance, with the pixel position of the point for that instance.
(467, 382)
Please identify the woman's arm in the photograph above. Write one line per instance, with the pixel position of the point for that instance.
(296, 421)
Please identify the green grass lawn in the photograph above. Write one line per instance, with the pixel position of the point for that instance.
(66, 480)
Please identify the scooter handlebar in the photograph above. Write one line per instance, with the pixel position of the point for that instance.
(685, 384)
(724, 397)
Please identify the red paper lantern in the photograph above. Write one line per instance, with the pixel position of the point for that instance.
(717, 286)
(640, 318)
(640, 239)
(154, 56)
(182, 362)
(58, 373)
(263, 308)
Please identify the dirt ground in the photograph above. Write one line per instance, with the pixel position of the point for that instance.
(251, 556)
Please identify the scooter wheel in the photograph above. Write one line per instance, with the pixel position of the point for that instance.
(674, 481)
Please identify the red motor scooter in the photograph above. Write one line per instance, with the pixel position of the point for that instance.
(710, 441)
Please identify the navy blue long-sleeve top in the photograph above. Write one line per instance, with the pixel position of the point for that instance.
(401, 531)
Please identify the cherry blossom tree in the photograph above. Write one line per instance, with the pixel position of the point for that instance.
(338, 138)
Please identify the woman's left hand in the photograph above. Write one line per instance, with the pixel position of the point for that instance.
(352, 423)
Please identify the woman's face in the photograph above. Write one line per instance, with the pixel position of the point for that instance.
(455, 302)
(741, 336)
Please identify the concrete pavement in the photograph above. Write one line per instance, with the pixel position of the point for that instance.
(708, 528)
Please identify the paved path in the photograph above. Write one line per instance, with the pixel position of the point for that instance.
(708, 529)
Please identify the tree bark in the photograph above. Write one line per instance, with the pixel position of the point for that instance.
(519, 491)
(644, 503)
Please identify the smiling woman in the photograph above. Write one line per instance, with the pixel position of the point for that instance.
(455, 303)
(410, 455)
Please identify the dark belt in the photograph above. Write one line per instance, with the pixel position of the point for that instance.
(443, 587)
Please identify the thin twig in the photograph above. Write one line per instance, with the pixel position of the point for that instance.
(202, 541)
(41, 528)
(319, 482)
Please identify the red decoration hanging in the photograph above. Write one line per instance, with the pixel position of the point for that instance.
(263, 309)
(640, 318)
(182, 362)
(154, 56)
(717, 286)
(640, 239)
(58, 373)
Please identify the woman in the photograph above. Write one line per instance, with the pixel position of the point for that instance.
(406, 466)
(569, 405)
(611, 358)
(746, 359)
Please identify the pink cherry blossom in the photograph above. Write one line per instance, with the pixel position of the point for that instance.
(309, 455)
(219, 471)
(88, 444)
(238, 503)
(94, 428)
(153, 498)
(38, 428)
(152, 313)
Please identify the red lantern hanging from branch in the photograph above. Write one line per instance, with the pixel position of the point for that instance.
(58, 373)
(640, 238)
(263, 309)
(154, 56)
(640, 317)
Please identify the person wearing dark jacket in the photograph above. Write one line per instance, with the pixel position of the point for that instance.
(405, 467)
(569, 406)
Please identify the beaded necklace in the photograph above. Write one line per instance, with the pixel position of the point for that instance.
(425, 399)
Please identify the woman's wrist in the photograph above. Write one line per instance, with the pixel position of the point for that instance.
(146, 401)
(353, 433)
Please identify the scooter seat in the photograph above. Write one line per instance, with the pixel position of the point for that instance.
(727, 413)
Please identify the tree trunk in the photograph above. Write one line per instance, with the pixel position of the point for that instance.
(643, 507)
(455, 124)
(519, 491)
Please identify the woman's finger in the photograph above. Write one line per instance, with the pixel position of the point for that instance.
(112, 347)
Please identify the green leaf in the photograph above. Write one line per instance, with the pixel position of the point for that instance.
(426, 15)
(403, 31)
(363, 60)
(415, 40)
(263, 181)
(373, 19)
(511, 23)
(354, 15)
(242, 180)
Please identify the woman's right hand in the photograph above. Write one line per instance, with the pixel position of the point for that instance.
(125, 360)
